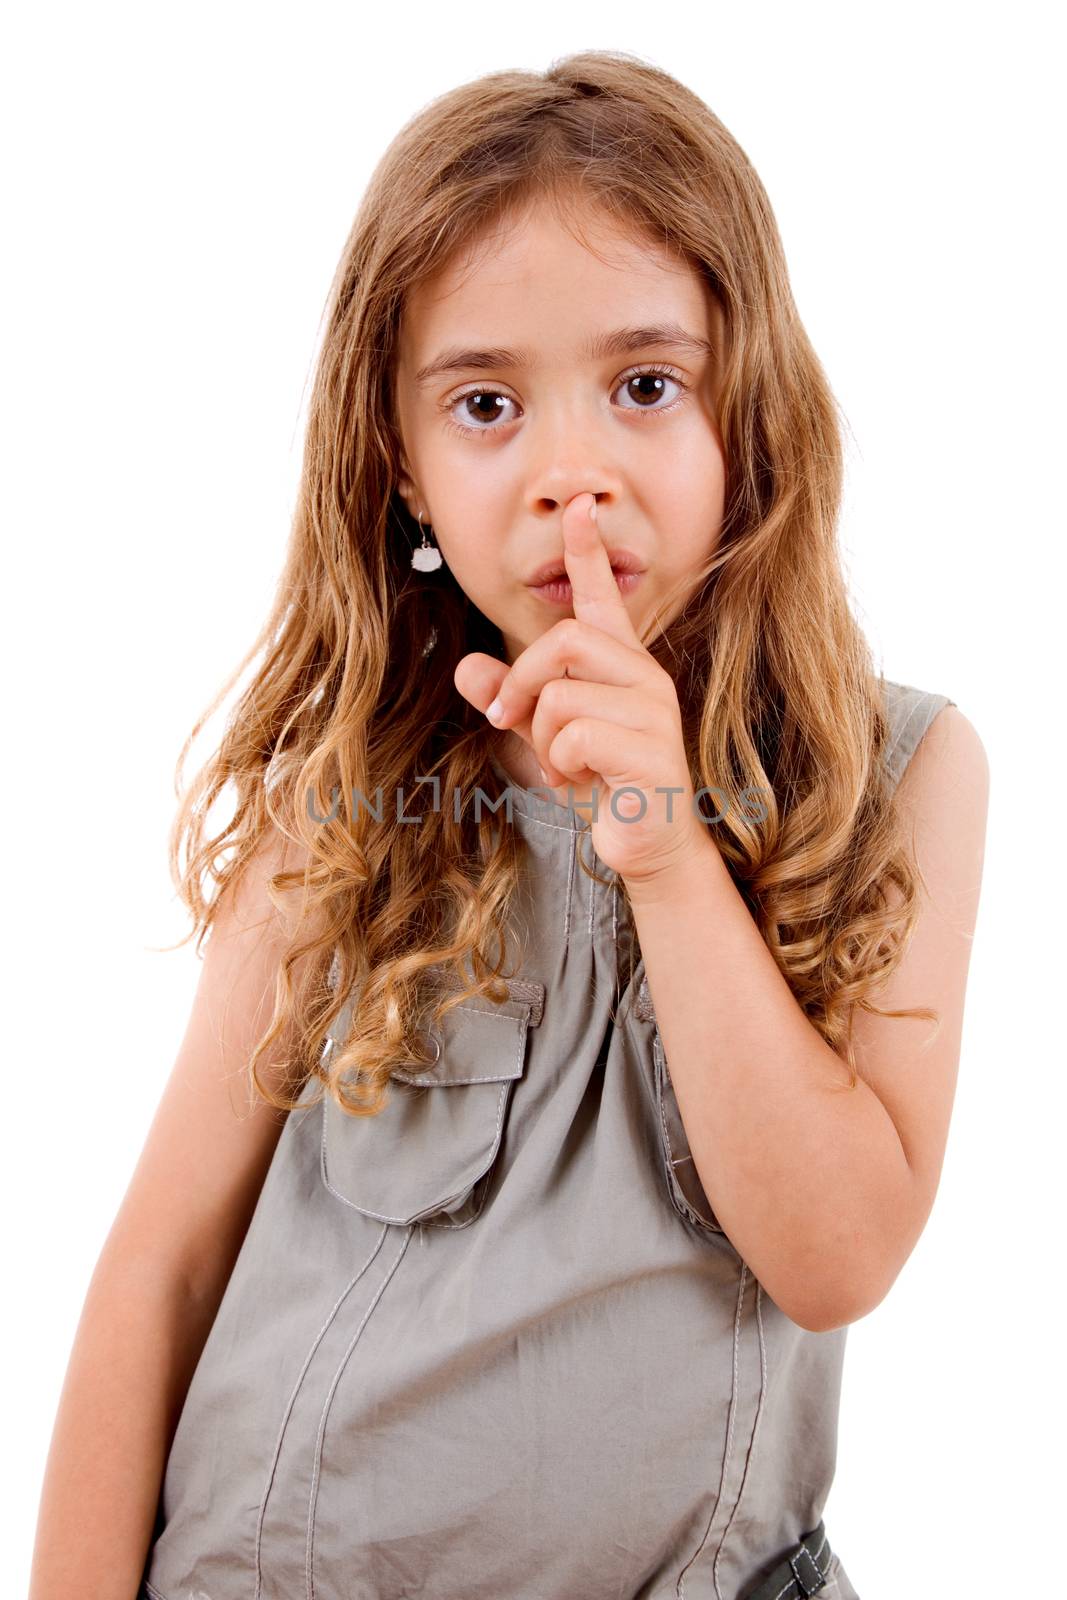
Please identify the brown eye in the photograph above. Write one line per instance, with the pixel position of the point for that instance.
(477, 411)
(653, 385)
(647, 389)
(484, 400)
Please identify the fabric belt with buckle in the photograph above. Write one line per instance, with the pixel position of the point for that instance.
(800, 1573)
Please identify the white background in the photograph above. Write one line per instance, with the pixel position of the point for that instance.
(179, 184)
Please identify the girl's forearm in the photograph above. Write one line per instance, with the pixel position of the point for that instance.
(138, 1341)
(808, 1182)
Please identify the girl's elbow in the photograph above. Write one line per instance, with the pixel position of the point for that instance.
(828, 1309)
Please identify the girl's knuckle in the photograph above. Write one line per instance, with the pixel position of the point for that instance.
(549, 698)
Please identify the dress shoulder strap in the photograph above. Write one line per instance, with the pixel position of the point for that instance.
(910, 712)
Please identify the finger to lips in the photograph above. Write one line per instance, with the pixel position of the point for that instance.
(595, 595)
(606, 649)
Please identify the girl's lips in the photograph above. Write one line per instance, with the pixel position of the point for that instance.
(558, 592)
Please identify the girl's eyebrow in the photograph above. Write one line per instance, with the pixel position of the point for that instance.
(618, 342)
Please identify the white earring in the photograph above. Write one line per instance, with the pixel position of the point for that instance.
(426, 557)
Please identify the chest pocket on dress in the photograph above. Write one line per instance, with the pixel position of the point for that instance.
(683, 1181)
(422, 1158)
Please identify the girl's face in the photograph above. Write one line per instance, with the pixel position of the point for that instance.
(522, 383)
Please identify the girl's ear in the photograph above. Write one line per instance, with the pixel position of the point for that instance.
(407, 492)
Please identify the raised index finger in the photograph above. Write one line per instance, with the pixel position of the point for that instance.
(594, 592)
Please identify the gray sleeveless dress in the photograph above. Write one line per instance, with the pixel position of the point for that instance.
(493, 1344)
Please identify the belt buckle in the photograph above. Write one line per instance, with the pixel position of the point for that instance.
(812, 1578)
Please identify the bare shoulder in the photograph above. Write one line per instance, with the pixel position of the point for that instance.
(211, 1141)
(911, 1063)
(950, 766)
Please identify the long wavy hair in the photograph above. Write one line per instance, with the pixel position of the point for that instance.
(353, 685)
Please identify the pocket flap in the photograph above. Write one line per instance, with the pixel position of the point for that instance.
(440, 1129)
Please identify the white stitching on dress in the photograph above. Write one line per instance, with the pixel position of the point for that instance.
(567, 901)
(680, 1587)
(543, 822)
(592, 904)
(309, 1566)
(292, 1401)
(752, 1440)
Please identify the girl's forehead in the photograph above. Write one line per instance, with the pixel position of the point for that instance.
(543, 270)
(540, 242)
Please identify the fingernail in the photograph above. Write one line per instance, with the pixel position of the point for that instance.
(592, 510)
(544, 776)
(495, 711)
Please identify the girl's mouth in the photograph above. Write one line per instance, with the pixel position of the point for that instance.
(558, 591)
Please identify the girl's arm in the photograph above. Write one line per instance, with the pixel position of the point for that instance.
(824, 1193)
(168, 1257)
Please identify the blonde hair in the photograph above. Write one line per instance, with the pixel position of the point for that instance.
(774, 676)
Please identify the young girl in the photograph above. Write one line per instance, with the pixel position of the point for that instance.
(584, 898)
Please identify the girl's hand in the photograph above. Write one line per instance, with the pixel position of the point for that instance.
(593, 705)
